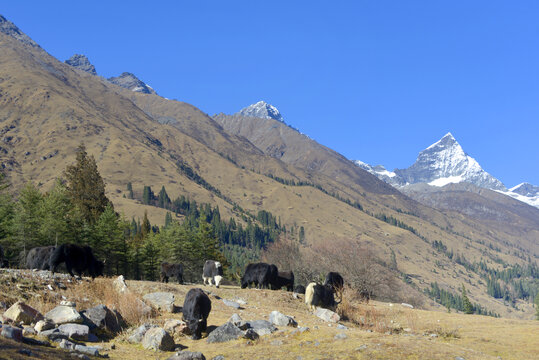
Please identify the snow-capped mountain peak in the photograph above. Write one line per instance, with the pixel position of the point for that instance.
(446, 162)
(262, 110)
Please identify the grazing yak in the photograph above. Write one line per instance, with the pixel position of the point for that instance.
(39, 257)
(299, 289)
(262, 275)
(78, 258)
(320, 295)
(213, 270)
(196, 308)
(335, 280)
(285, 278)
(171, 271)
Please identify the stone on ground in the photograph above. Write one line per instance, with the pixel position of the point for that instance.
(280, 319)
(262, 327)
(158, 339)
(138, 334)
(20, 312)
(163, 301)
(75, 331)
(102, 320)
(11, 332)
(63, 315)
(224, 333)
(187, 355)
(43, 325)
(327, 315)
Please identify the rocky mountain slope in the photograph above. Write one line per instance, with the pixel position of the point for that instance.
(47, 108)
(445, 162)
(81, 62)
(131, 82)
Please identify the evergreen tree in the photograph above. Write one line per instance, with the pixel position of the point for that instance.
(302, 235)
(108, 240)
(147, 195)
(86, 186)
(6, 218)
(536, 302)
(57, 216)
(146, 227)
(27, 221)
(163, 201)
(130, 190)
(467, 305)
(168, 219)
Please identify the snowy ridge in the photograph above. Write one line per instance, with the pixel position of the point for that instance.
(445, 162)
(262, 110)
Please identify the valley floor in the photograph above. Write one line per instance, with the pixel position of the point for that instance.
(392, 331)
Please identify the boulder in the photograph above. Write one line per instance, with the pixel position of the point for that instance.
(175, 327)
(231, 303)
(102, 320)
(43, 325)
(340, 336)
(53, 335)
(68, 303)
(138, 334)
(119, 285)
(224, 333)
(187, 355)
(262, 327)
(67, 345)
(163, 301)
(250, 334)
(28, 330)
(279, 319)
(75, 331)
(88, 350)
(158, 339)
(63, 315)
(327, 315)
(11, 332)
(20, 312)
(235, 319)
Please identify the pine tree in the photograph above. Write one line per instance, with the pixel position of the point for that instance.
(27, 221)
(302, 235)
(108, 240)
(6, 217)
(537, 306)
(168, 219)
(56, 213)
(146, 227)
(86, 186)
(130, 190)
(147, 195)
(467, 305)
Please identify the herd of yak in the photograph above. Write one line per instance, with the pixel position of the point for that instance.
(197, 304)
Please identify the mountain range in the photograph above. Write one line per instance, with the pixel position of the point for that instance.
(445, 162)
(252, 161)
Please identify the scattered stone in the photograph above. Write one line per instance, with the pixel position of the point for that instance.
(28, 330)
(407, 305)
(63, 315)
(158, 339)
(250, 334)
(341, 327)
(300, 330)
(231, 303)
(119, 285)
(327, 315)
(219, 357)
(53, 335)
(20, 312)
(102, 320)
(67, 345)
(75, 331)
(43, 325)
(262, 327)
(433, 335)
(80, 356)
(459, 358)
(175, 327)
(277, 342)
(163, 301)
(340, 336)
(241, 301)
(279, 319)
(224, 333)
(361, 348)
(138, 333)
(187, 355)
(68, 303)
(11, 332)
(88, 350)
(235, 319)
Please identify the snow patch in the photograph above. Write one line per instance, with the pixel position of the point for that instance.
(446, 180)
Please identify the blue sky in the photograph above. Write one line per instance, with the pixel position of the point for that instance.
(375, 80)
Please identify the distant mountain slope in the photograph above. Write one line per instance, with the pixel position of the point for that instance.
(133, 83)
(47, 108)
(81, 62)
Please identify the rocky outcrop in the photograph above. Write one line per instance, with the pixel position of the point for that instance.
(158, 339)
(163, 301)
(81, 62)
(64, 314)
(131, 82)
(22, 313)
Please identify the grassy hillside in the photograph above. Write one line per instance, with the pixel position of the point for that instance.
(48, 108)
